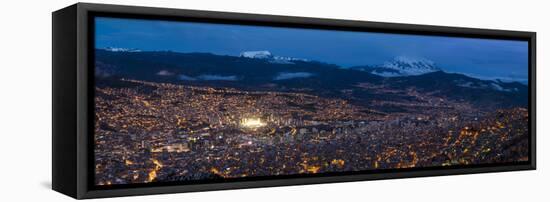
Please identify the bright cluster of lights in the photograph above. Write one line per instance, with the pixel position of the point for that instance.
(252, 123)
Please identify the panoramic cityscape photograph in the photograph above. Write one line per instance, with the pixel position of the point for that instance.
(192, 102)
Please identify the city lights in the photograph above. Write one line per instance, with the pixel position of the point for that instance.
(179, 133)
(252, 123)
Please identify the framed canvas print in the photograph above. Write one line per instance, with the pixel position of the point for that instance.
(154, 100)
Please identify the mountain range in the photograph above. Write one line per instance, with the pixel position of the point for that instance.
(260, 70)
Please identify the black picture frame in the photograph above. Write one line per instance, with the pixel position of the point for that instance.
(73, 92)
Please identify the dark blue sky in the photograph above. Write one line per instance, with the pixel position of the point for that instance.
(483, 58)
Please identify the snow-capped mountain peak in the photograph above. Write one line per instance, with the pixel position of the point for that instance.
(401, 66)
(115, 49)
(266, 55)
(256, 54)
(411, 66)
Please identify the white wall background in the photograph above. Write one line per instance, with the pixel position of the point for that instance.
(25, 99)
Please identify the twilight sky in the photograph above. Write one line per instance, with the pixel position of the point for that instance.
(482, 58)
